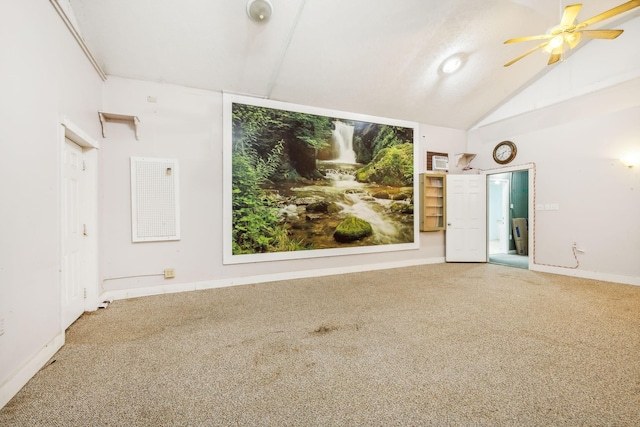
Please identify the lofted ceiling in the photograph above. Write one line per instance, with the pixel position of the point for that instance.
(373, 57)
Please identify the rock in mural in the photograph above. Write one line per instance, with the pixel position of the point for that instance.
(352, 229)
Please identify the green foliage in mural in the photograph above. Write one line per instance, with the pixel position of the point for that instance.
(261, 129)
(392, 166)
(370, 138)
(269, 145)
(255, 217)
(256, 226)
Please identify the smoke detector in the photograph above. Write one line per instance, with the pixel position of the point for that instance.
(259, 10)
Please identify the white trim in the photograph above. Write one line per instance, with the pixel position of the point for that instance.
(66, 13)
(584, 274)
(77, 135)
(246, 280)
(506, 169)
(22, 376)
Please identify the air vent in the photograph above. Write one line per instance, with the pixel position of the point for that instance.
(440, 163)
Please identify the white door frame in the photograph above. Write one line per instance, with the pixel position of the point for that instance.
(68, 130)
(531, 167)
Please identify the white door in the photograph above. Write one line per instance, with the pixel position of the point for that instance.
(465, 239)
(498, 211)
(72, 233)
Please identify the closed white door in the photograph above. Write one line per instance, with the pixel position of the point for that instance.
(72, 233)
(466, 232)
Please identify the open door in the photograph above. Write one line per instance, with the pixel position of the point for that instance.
(465, 237)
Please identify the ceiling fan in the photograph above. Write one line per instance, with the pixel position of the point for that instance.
(570, 33)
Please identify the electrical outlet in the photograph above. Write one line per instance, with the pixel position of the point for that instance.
(169, 273)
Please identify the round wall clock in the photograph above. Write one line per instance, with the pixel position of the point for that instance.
(504, 152)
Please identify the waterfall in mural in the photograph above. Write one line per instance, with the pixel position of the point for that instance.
(343, 137)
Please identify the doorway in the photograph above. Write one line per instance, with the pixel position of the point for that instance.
(508, 218)
(78, 216)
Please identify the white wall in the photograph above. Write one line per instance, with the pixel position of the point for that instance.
(45, 76)
(574, 124)
(186, 124)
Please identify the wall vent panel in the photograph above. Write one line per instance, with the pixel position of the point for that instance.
(155, 202)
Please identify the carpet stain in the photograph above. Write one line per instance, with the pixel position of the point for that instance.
(323, 330)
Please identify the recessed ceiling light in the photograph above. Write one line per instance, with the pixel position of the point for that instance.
(259, 10)
(452, 64)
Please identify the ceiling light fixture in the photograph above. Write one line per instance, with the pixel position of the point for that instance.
(631, 159)
(452, 64)
(259, 10)
(556, 42)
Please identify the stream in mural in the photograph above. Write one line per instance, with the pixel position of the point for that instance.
(384, 207)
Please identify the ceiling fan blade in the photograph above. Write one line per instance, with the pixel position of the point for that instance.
(530, 51)
(555, 57)
(609, 13)
(601, 34)
(570, 13)
(573, 39)
(524, 39)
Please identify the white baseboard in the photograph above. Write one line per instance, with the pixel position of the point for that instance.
(18, 380)
(246, 280)
(594, 275)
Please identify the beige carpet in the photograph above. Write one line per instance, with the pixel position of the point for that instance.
(447, 344)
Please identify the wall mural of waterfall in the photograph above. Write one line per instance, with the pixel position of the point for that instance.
(302, 182)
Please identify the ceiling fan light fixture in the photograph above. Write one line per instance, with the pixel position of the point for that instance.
(570, 32)
(556, 42)
(555, 45)
(259, 10)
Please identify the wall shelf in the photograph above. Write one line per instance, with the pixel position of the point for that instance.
(432, 202)
(464, 160)
(113, 117)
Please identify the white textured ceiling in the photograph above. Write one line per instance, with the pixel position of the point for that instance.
(376, 57)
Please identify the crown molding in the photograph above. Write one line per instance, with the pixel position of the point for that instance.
(67, 17)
